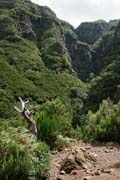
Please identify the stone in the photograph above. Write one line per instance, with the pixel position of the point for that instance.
(87, 171)
(68, 164)
(57, 165)
(107, 171)
(66, 149)
(54, 152)
(87, 178)
(62, 172)
(92, 173)
(59, 178)
(92, 156)
(107, 151)
(73, 151)
(74, 172)
(111, 147)
(88, 147)
(83, 149)
(98, 172)
(79, 157)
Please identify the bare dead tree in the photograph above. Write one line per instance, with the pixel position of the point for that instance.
(27, 114)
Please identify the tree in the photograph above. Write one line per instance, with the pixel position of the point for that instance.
(27, 114)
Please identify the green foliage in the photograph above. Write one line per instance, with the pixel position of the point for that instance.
(90, 32)
(34, 61)
(62, 142)
(53, 119)
(104, 86)
(8, 27)
(42, 57)
(21, 156)
(104, 125)
(13, 85)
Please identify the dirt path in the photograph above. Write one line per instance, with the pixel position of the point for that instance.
(106, 167)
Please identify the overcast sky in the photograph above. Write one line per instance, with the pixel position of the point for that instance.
(77, 11)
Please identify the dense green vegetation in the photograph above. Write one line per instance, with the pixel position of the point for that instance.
(53, 119)
(45, 59)
(104, 125)
(90, 32)
(21, 156)
(36, 55)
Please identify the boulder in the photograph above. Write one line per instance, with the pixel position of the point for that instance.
(79, 157)
(69, 164)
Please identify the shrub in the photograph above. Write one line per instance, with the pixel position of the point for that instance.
(53, 119)
(105, 123)
(21, 156)
(63, 142)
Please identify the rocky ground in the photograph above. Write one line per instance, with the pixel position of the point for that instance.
(86, 162)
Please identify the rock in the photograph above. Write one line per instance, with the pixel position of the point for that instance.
(57, 165)
(107, 171)
(83, 149)
(107, 151)
(88, 147)
(54, 152)
(79, 157)
(62, 172)
(69, 164)
(87, 171)
(73, 151)
(71, 157)
(111, 147)
(65, 150)
(98, 172)
(92, 156)
(74, 172)
(87, 178)
(59, 178)
(92, 173)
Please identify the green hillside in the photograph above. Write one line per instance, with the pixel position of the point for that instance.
(50, 59)
(90, 32)
(71, 76)
(32, 47)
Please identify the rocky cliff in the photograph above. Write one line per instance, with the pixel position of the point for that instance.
(43, 57)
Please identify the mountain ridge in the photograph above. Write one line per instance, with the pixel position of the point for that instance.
(51, 57)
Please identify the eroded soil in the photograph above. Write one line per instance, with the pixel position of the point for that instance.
(106, 167)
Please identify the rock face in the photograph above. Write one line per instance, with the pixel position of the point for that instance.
(51, 57)
(90, 32)
(80, 53)
(107, 67)
(32, 46)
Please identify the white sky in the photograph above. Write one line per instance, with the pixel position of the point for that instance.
(77, 11)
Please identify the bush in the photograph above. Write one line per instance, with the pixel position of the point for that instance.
(52, 120)
(105, 123)
(63, 142)
(21, 156)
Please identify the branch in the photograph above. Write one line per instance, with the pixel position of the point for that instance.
(27, 116)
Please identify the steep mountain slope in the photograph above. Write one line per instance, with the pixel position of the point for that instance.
(34, 59)
(90, 32)
(50, 60)
(80, 53)
(107, 65)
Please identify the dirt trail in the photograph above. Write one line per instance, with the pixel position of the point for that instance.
(106, 167)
